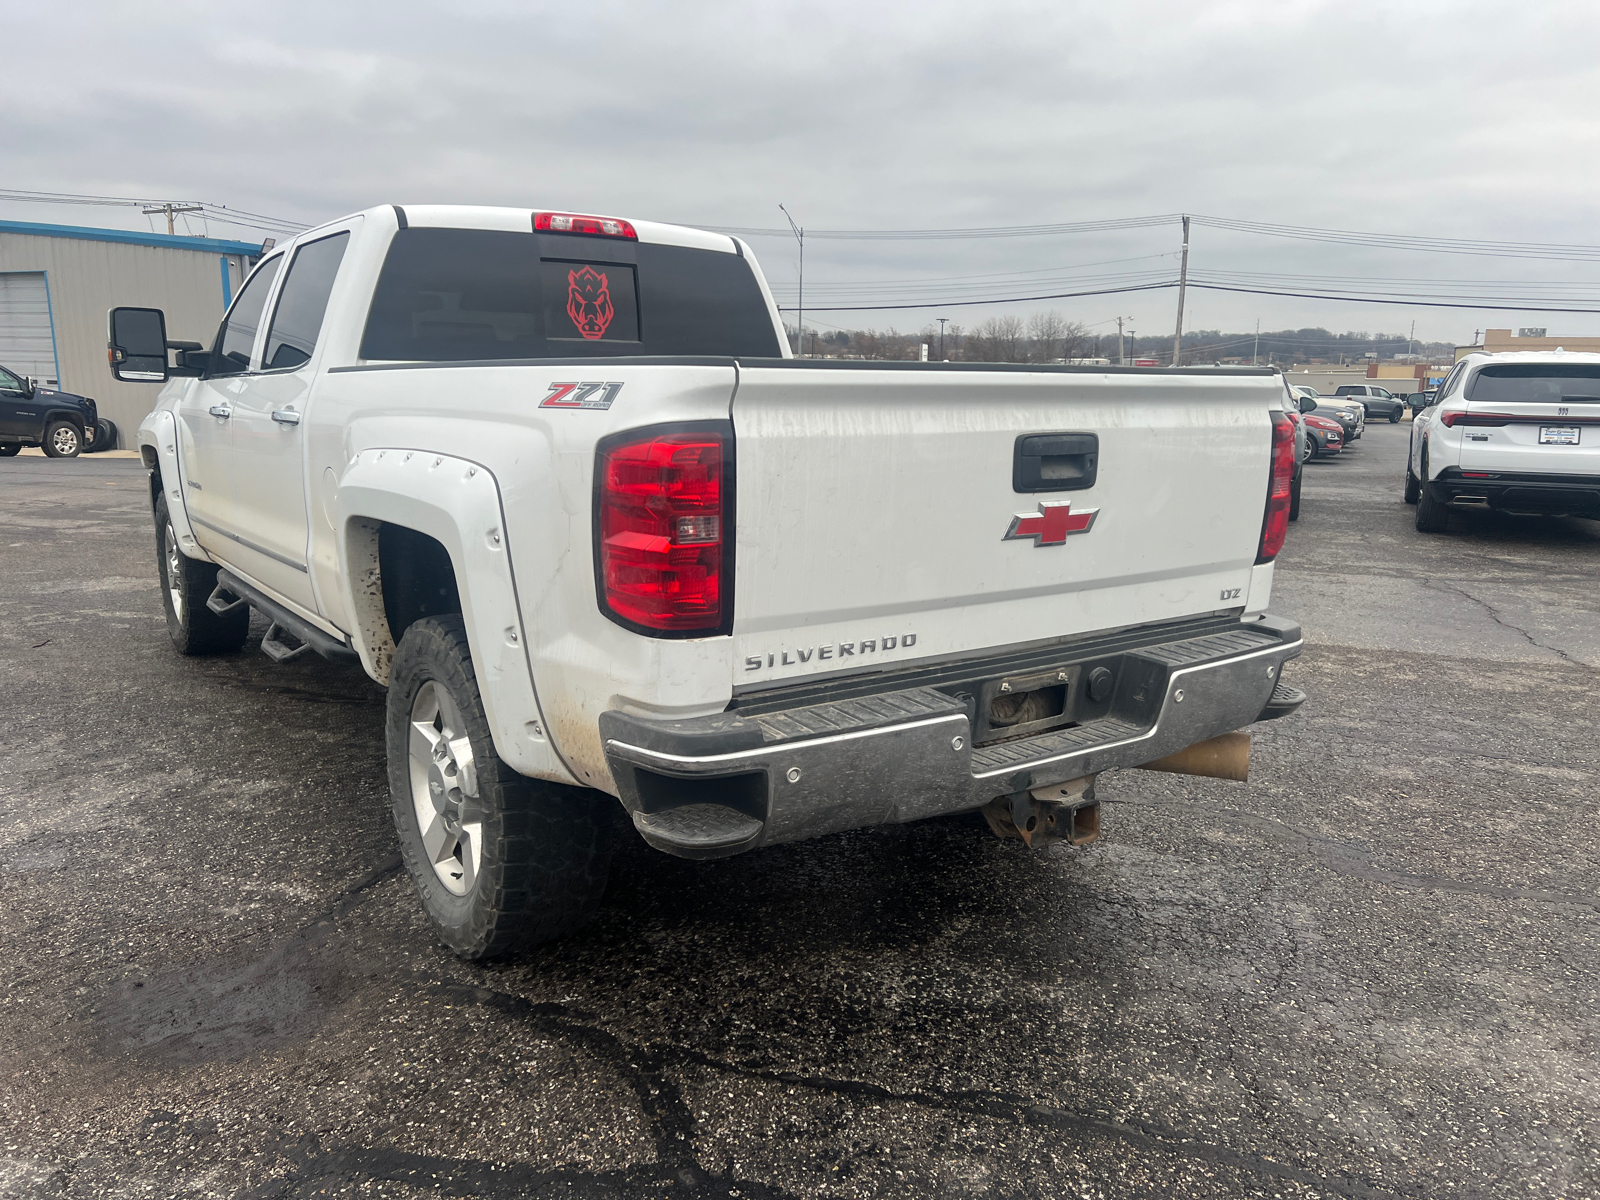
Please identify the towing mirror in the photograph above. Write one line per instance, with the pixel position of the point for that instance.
(137, 344)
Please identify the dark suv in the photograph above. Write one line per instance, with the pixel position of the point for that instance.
(63, 424)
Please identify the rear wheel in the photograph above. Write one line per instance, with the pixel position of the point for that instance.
(502, 862)
(1294, 497)
(1394, 417)
(1413, 485)
(1432, 517)
(62, 439)
(186, 585)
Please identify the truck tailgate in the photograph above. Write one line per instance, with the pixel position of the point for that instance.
(874, 506)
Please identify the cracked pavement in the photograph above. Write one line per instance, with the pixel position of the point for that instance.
(1369, 972)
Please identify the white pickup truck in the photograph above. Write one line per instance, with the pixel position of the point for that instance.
(556, 482)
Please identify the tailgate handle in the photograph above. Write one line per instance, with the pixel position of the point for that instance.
(1055, 462)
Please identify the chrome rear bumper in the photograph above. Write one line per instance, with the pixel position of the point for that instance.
(712, 786)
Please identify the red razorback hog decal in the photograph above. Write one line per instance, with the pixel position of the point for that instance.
(589, 302)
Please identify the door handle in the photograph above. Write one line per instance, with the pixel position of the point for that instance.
(221, 410)
(285, 416)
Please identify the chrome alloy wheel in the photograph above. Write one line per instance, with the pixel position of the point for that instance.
(65, 440)
(174, 566)
(444, 789)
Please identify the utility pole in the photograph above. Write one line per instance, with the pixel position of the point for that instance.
(941, 321)
(1255, 354)
(1411, 342)
(1121, 358)
(800, 324)
(1183, 285)
(170, 209)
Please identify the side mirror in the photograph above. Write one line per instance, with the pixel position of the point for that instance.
(1307, 404)
(137, 344)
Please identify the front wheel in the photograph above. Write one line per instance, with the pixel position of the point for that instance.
(63, 440)
(186, 585)
(1413, 484)
(501, 862)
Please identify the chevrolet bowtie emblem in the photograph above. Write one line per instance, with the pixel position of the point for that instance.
(1051, 524)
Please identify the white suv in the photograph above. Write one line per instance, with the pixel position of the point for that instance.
(1510, 432)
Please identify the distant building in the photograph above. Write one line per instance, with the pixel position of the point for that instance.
(1503, 341)
(58, 281)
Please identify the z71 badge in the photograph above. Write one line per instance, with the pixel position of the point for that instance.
(581, 395)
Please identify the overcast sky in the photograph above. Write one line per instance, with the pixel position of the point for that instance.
(1438, 119)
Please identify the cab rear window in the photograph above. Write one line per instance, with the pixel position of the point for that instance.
(1536, 383)
(452, 295)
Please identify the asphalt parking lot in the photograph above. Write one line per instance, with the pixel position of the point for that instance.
(1370, 972)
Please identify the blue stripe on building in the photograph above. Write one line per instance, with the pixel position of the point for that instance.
(132, 238)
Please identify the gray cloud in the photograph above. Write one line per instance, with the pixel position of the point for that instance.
(1468, 120)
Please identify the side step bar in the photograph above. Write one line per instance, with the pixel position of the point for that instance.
(231, 591)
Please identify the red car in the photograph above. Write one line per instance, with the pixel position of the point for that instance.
(1324, 437)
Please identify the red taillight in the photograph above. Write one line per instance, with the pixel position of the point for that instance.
(547, 222)
(662, 521)
(1275, 525)
(1478, 418)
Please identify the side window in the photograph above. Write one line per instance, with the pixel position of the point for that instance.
(10, 384)
(231, 353)
(1451, 385)
(302, 301)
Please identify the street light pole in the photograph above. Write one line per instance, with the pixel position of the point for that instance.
(800, 321)
(1183, 286)
(941, 321)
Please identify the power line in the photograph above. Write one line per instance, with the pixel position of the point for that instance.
(998, 231)
(1143, 287)
(1217, 287)
(1395, 241)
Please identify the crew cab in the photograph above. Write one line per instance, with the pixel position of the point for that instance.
(1374, 400)
(1509, 432)
(555, 480)
(62, 424)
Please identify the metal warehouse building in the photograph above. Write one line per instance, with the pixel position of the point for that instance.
(57, 281)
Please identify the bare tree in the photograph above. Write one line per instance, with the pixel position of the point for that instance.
(999, 339)
(1047, 329)
(1075, 341)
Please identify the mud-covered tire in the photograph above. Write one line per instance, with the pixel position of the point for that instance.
(1413, 484)
(62, 439)
(1432, 517)
(10, 449)
(543, 849)
(1294, 496)
(186, 585)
